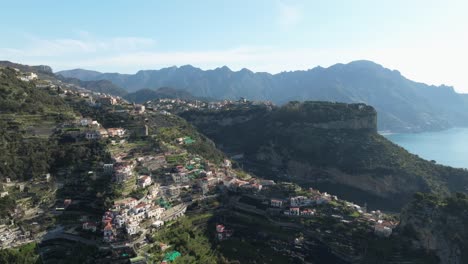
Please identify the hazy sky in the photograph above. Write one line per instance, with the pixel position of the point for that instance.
(425, 40)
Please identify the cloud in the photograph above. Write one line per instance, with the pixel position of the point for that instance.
(84, 44)
(289, 15)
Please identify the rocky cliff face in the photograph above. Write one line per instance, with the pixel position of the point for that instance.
(438, 224)
(331, 146)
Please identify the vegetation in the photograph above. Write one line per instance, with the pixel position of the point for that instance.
(316, 141)
(432, 228)
(26, 254)
(7, 204)
(192, 243)
(18, 97)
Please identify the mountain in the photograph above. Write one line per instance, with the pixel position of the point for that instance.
(43, 71)
(403, 105)
(100, 86)
(145, 95)
(331, 146)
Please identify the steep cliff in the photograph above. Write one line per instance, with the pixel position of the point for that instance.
(332, 146)
(438, 224)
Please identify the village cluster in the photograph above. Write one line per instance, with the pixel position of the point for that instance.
(167, 106)
(304, 206)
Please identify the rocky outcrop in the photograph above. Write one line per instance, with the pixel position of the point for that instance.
(331, 146)
(438, 224)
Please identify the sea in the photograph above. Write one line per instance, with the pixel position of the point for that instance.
(447, 147)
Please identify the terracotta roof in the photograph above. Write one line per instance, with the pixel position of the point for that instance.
(140, 205)
(108, 226)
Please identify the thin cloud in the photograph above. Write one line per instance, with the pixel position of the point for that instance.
(86, 44)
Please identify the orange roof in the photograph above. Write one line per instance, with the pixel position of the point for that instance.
(108, 226)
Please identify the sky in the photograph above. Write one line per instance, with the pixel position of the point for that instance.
(427, 41)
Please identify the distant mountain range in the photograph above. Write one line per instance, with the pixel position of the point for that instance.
(101, 86)
(403, 105)
(144, 95)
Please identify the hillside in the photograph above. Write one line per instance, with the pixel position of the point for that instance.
(331, 146)
(145, 95)
(438, 224)
(403, 105)
(28, 116)
(100, 86)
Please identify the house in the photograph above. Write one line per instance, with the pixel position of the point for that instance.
(222, 233)
(307, 212)
(154, 212)
(67, 202)
(107, 100)
(382, 230)
(3, 194)
(140, 208)
(144, 181)
(109, 232)
(123, 172)
(251, 187)
(300, 201)
(86, 121)
(119, 221)
(92, 135)
(125, 203)
(91, 226)
(267, 182)
(116, 132)
(132, 228)
(227, 163)
(153, 190)
(324, 198)
(234, 184)
(108, 168)
(103, 133)
(20, 187)
(7, 180)
(107, 217)
(95, 123)
(140, 109)
(180, 177)
(294, 211)
(157, 223)
(26, 77)
(276, 203)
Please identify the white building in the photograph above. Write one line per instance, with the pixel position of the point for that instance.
(382, 230)
(144, 181)
(300, 201)
(92, 135)
(154, 212)
(276, 203)
(132, 228)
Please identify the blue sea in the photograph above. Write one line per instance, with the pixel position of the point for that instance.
(448, 147)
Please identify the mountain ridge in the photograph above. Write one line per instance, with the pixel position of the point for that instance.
(403, 105)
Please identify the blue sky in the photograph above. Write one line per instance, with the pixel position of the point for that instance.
(425, 40)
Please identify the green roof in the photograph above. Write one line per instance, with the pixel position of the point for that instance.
(171, 256)
(188, 140)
